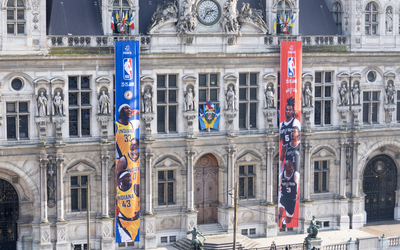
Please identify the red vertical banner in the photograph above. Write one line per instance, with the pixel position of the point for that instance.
(289, 130)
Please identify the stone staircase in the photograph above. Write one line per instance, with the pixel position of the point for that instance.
(211, 229)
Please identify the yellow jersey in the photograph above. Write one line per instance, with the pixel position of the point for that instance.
(124, 135)
(127, 202)
(133, 166)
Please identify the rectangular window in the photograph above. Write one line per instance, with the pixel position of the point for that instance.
(370, 107)
(321, 175)
(166, 187)
(244, 232)
(248, 100)
(246, 181)
(208, 90)
(323, 98)
(79, 105)
(17, 120)
(79, 193)
(167, 105)
(16, 19)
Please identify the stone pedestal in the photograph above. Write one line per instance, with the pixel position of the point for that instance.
(357, 213)
(104, 119)
(107, 244)
(308, 111)
(42, 122)
(314, 242)
(229, 219)
(150, 237)
(147, 118)
(58, 120)
(390, 109)
(230, 117)
(107, 241)
(269, 113)
(271, 227)
(62, 236)
(356, 111)
(45, 243)
(343, 110)
(344, 219)
(190, 117)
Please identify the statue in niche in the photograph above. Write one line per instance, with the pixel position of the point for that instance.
(390, 93)
(308, 97)
(42, 105)
(58, 104)
(147, 101)
(269, 97)
(356, 94)
(51, 183)
(104, 103)
(344, 100)
(230, 98)
(189, 99)
(389, 20)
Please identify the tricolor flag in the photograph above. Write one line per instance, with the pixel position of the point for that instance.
(131, 23)
(124, 19)
(113, 21)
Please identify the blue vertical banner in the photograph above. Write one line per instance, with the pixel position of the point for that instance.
(127, 121)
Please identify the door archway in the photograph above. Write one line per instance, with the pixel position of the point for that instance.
(9, 213)
(206, 189)
(379, 184)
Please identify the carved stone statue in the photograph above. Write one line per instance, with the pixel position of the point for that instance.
(253, 15)
(389, 20)
(312, 230)
(42, 105)
(147, 101)
(356, 94)
(189, 99)
(229, 22)
(344, 100)
(269, 98)
(58, 104)
(390, 93)
(308, 97)
(162, 14)
(196, 243)
(51, 189)
(230, 98)
(104, 103)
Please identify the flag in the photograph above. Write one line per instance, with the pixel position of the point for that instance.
(123, 19)
(291, 22)
(274, 25)
(209, 105)
(113, 21)
(117, 17)
(131, 23)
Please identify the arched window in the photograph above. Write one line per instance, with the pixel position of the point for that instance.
(337, 16)
(371, 19)
(284, 18)
(15, 17)
(121, 9)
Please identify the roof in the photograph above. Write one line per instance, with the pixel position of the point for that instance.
(316, 19)
(75, 17)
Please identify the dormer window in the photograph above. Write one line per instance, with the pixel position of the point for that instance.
(121, 10)
(371, 19)
(15, 17)
(285, 18)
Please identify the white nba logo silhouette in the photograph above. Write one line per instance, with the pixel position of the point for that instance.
(291, 66)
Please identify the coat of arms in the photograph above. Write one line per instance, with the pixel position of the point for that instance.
(209, 116)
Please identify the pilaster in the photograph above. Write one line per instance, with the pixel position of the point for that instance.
(190, 181)
(270, 176)
(344, 219)
(104, 183)
(149, 193)
(231, 176)
(307, 161)
(62, 236)
(150, 237)
(60, 188)
(43, 161)
(342, 175)
(45, 237)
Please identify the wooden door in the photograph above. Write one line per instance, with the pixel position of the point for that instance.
(206, 189)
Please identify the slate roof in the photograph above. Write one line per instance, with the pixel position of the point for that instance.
(76, 17)
(316, 19)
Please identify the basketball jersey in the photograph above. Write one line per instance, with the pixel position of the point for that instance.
(125, 201)
(285, 129)
(134, 168)
(123, 137)
(292, 153)
(289, 186)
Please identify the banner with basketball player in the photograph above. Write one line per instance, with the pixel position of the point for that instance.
(289, 130)
(127, 100)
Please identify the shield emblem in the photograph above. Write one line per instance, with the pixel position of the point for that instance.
(209, 115)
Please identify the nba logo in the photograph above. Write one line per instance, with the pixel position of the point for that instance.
(291, 67)
(128, 71)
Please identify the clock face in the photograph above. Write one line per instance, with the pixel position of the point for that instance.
(208, 12)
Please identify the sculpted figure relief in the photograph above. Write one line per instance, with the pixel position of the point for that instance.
(187, 19)
(389, 20)
(269, 98)
(162, 14)
(189, 99)
(229, 21)
(390, 92)
(42, 105)
(104, 103)
(308, 97)
(58, 105)
(256, 16)
(356, 94)
(230, 98)
(344, 100)
(147, 101)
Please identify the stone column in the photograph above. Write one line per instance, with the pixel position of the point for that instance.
(149, 185)
(231, 176)
(307, 161)
(270, 175)
(342, 175)
(104, 185)
(190, 181)
(355, 178)
(43, 188)
(60, 188)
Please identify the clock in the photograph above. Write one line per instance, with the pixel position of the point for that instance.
(208, 12)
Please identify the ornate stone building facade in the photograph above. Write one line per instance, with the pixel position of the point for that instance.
(56, 116)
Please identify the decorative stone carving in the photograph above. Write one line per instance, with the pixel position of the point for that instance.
(343, 110)
(230, 98)
(35, 13)
(187, 18)
(104, 119)
(147, 101)
(42, 122)
(255, 16)
(51, 183)
(42, 104)
(189, 99)
(356, 111)
(58, 104)
(308, 97)
(147, 118)
(58, 120)
(308, 111)
(343, 92)
(230, 116)
(390, 108)
(390, 92)
(270, 113)
(356, 93)
(104, 104)
(389, 20)
(190, 117)
(270, 97)
(229, 22)
(358, 14)
(163, 14)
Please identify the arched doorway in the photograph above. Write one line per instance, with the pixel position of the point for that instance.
(380, 181)
(9, 213)
(206, 189)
